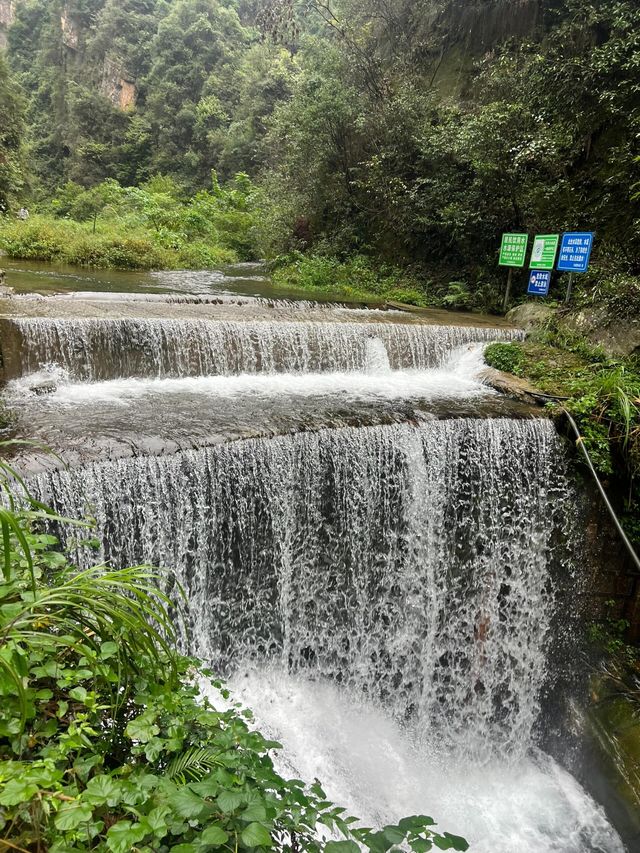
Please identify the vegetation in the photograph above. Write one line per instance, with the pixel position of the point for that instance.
(602, 394)
(152, 226)
(107, 742)
(407, 133)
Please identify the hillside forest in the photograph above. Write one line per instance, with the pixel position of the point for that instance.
(372, 144)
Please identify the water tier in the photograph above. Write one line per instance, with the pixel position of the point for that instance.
(99, 349)
(413, 563)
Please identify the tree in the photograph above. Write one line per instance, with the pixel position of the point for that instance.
(12, 130)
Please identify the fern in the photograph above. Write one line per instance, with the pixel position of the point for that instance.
(192, 765)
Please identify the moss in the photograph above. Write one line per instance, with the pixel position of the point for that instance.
(616, 725)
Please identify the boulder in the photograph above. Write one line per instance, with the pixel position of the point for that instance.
(619, 337)
(529, 314)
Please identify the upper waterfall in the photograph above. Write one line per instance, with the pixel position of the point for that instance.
(96, 349)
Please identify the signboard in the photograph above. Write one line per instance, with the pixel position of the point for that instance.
(575, 251)
(513, 250)
(543, 254)
(539, 282)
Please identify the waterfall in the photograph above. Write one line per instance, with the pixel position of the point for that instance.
(411, 563)
(99, 349)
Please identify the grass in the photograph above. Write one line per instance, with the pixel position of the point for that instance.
(114, 244)
(356, 278)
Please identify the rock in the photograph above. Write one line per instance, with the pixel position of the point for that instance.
(45, 386)
(529, 314)
(513, 386)
(617, 336)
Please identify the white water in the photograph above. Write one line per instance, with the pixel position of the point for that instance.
(458, 378)
(99, 349)
(380, 771)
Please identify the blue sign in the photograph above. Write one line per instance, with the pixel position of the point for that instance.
(575, 251)
(539, 282)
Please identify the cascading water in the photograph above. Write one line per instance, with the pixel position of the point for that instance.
(408, 571)
(382, 596)
(97, 349)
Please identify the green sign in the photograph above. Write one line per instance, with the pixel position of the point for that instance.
(513, 250)
(543, 254)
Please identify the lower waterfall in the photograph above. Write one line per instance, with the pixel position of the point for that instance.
(384, 598)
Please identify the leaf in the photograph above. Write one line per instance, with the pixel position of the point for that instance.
(102, 789)
(215, 836)
(122, 836)
(156, 821)
(254, 811)
(229, 801)
(256, 835)
(187, 804)
(108, 649)
(421, 845)
(393, 834)
(142, 729)
(341, 847)
(72, 815)
(450, 842)
(17, 791)
(79, 694)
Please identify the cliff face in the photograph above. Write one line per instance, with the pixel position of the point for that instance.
(7, 16)
(481, 24)
(117, 85)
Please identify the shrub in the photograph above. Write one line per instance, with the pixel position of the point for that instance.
(508, 357)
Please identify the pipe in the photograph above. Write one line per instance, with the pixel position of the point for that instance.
(614, 517)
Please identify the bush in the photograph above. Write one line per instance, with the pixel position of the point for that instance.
(357, 278)
(508, 357)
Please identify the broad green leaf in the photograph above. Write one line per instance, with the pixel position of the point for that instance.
(256, 835)
(421, 845)
(229, 801)
(17, 791)
(187, 804)
(254, 811)
(393, 834)
(341, 847)
(142, 729)
(122, 836)
(72, 815)
(215, 836)
(102, 789)
(453, 842)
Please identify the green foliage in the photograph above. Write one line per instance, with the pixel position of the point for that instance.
(152, 226)
(12, 131)
(357, 278)
(508, 357)
(602, 394)
(106, 740)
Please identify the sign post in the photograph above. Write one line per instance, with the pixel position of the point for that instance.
(513, 252)
(575, 252)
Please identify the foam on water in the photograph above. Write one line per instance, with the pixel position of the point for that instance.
(381, 770)
(457, 379)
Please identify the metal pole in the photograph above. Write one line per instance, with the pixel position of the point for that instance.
(508, 291)
(569, 286)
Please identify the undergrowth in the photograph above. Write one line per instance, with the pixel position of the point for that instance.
(602, 394)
